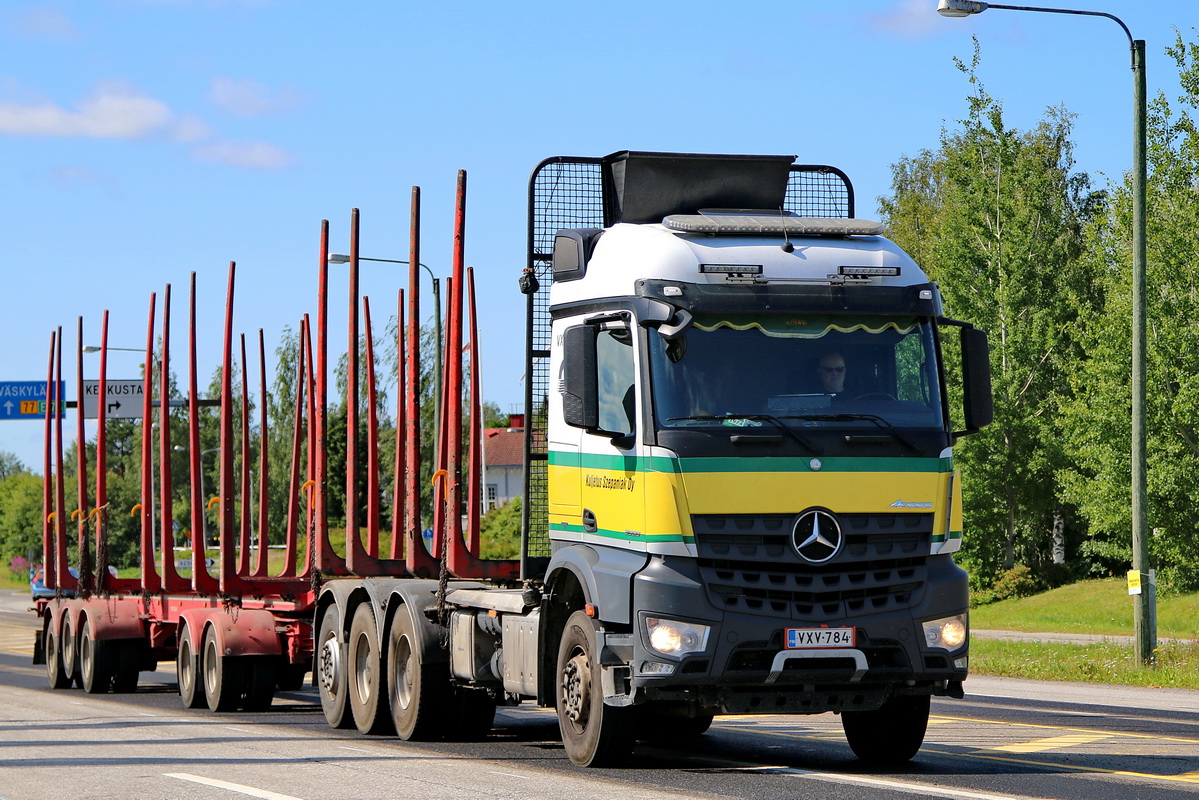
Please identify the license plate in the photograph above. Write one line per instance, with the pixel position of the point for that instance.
(806, 638)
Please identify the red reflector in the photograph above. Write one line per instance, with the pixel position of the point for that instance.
(589, 610)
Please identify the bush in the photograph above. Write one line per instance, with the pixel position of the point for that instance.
(499, 532)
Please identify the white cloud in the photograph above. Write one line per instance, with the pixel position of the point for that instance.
(109, 113)
(117, 112)
(253, 155)
(250, 98)
(908, 18)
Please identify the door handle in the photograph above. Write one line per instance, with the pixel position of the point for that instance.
(589, 521)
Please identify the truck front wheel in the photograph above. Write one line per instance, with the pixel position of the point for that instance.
(890, 735)
(594, 735)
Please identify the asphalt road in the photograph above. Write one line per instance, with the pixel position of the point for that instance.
(1007, 739)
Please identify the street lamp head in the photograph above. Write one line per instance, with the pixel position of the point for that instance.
(960, 8)
(91, 348)
(338, 258)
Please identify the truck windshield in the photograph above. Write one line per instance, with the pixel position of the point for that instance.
(808, 371)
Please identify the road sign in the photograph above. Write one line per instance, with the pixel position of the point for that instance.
(123, 399)
(24, 399)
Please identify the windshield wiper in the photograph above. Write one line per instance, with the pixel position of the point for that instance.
(773, 420)
(875, 418)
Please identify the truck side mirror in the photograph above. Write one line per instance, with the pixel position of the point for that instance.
(978, 404)
(580, 382)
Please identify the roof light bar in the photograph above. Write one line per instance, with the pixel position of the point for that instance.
(731, 269)
(869, 272)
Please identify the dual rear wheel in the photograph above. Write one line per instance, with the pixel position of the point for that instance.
(77, 657)
(209, 676)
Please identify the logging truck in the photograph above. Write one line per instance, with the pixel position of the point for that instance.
(739, 495)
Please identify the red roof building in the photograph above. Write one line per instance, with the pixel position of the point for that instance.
(503, 465)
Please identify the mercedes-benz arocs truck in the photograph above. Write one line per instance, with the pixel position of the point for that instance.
(740, 491)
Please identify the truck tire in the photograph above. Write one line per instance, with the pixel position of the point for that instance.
(70, 653)
(95, 662)
(364, 674)
(892, 734)
(187, 670)
(594, 735)
(126, 667)
(223, 676)
(419, 691)
(260, 672)
(56, 673)
(331, 672)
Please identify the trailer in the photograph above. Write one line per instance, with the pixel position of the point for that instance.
(740, 494)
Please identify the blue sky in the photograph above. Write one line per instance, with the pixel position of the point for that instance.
(147, 139)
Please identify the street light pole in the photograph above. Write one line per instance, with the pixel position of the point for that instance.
(338, 258)
(1145, 607)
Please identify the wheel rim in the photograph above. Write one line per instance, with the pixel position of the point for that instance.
(51, 648)
(403, 671)
(363, 667)
(211, 659)
(86, 652)
(185, 666)
(330, 665)
(68, 648)
(576, 689)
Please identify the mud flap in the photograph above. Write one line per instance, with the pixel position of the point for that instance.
(39, 647)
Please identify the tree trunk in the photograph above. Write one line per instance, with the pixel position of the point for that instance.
(1059, 537)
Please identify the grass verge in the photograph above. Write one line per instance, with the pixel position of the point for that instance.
(1177, 663)
(1101, 607)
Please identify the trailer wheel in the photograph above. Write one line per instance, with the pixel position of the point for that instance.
(890, 735)
(331, 672)
(127, 663)
(223, 676)
(56, 673)
(595, 735)
(95, 661)
(70, 653)
(187, 670)
(260, 672)
(419, 691)
(367, 687)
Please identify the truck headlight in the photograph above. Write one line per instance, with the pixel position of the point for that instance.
(673, 638)
(947, 633)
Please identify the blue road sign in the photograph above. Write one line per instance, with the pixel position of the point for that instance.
(24, 399)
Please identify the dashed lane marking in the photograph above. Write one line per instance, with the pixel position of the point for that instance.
(264, 794)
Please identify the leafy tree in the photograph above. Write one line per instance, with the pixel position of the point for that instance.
(995, 216)
(20, 516)
(1098, 417)
(499, 532)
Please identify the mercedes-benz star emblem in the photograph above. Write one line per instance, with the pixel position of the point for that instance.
(817, 536)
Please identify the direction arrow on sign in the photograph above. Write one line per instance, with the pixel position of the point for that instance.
(123, 399)
(24, 399)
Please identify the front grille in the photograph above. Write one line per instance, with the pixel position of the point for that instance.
(749, 566)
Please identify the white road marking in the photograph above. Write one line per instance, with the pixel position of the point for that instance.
(510, 775)
(265, 794)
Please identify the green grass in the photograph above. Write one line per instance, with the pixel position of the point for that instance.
(1177, 663)
(1101, 607)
